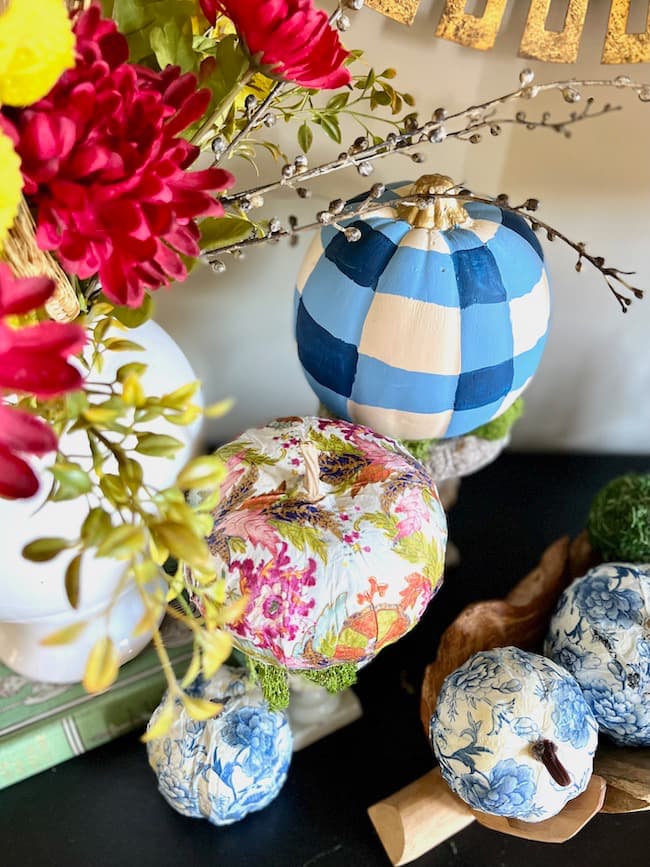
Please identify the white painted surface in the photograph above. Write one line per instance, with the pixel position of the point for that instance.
(593, 388)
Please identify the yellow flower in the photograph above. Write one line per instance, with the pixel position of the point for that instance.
(36, 47)
(11, 184)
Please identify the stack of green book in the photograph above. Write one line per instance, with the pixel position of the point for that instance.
(43, 724)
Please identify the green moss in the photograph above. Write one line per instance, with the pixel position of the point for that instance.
(334, 679)
(500, 427)
(420, 449)
(273, 682)
(619, 519)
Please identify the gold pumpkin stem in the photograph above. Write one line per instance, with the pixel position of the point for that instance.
(26, 259)
(443, 213)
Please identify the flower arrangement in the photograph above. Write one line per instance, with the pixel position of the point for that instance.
(105, 198)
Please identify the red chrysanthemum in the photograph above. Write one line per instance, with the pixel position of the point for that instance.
(287, 39)
(33, 359)
(107, 172)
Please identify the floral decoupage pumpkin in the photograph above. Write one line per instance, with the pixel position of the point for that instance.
(337, 537)
(431, 324)
(221, 769)
(600, 632)
(513, 734)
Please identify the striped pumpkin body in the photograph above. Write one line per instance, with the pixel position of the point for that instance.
(421, 333)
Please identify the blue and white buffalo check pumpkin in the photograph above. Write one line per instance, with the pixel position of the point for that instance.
(422, 333)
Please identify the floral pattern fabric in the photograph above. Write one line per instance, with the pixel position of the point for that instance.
(600, 632)
(333, 576)
(491, 712)
(226, 767)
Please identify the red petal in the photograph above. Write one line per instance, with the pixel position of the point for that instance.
(37, 373)
(22, 432)
(17, 479)
(22, 295)
(54, 338)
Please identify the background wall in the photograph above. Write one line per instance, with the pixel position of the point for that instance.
(592, 391)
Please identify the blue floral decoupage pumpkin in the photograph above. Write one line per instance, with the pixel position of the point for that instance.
(600, 632)
(431, 324)
(513, 734)
(223, 768)
(336, 536)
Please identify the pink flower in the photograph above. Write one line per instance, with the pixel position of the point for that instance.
(107, 172)
(414, 511)
(21, 433)
(287, 39)
(33, 359)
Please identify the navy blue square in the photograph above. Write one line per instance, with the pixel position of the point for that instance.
(521, 227)
(478, 277)
(483, 386)
(364, 260)
(331, 361)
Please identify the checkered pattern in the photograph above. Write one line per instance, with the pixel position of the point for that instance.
(419, 333)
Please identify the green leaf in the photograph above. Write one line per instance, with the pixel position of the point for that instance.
(72, 580)
(380, 97)
(338, 101)
(136, 367)
(65, 635)
(157, 445)
(42, 550)
(72, 481)
(331, 126)
(122, 542)
(172, 43)
(201, 708)
(95, 527)
(117, 344)
(114, 488)
(202, 472)
(102, 666)
(219, 232)
(162, 721)
(131, 474)
(184, 544)
(219, 409)
(132, 317)
(305, 136)
(178, 398)
(216, 647)
(138, 19)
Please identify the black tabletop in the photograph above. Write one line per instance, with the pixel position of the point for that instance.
(103, 808)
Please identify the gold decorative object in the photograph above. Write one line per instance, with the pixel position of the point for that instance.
(403, 11)
(442, 214)
(552, 45)
(472, 30)
(538, 42)
(621, 46)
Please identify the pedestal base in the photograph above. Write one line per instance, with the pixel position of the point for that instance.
(315, 713)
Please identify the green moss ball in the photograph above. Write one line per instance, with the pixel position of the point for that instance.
(619, 519)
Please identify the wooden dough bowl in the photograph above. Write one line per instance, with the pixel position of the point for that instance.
(426, 813)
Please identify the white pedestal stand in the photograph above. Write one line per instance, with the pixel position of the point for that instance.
(315, 713)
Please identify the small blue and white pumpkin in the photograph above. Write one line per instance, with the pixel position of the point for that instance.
(431, 324)
(226, 767)
(513, 734)
(600, 632)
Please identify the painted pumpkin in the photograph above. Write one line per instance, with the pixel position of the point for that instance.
(600, 632)
(430, 325)
(513, 734)
(222, 769)
(335, 533)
